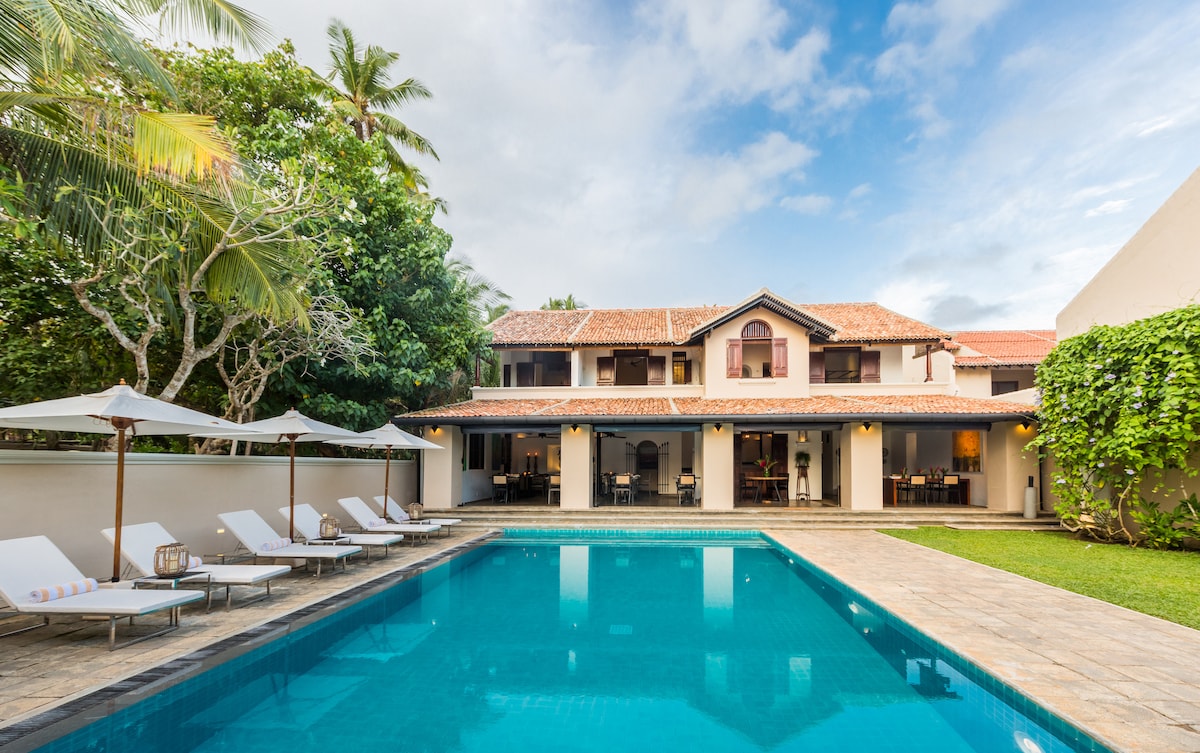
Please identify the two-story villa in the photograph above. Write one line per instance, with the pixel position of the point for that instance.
(834, 398)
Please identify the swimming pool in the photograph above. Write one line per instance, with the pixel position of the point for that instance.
(595, 643)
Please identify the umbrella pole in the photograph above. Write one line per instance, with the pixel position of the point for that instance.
(387, 467)
(292, 486)
(120, 425)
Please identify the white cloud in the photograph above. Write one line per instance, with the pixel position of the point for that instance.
(713, 191)
(810, 204)
(1109, 207)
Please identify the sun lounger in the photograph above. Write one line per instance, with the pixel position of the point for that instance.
(33, 568)
(308, 523)
(261, 541)
(396, 512)
(138, 543)
(366, 519)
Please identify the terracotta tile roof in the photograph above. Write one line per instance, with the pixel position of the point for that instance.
(1004, 347)
(854, 322)
(872, 323)
(487, 408)
(824, 406)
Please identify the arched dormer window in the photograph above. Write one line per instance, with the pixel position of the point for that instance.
(757, 353)
(756, 330)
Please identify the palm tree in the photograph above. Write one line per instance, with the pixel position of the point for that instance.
(80, 161)
(563, 304)
(358, 88)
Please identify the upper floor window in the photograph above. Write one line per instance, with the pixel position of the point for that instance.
(631, 367)
(545, 368)
(843, 366)
(756, 354)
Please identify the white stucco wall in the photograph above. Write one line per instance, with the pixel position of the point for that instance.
(795, 384)
(70, 496)
(1156, 271)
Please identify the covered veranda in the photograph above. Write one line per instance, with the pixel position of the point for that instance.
(835, 451)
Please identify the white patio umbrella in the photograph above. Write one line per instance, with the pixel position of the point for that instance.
(387, 437)
(291, 427)
(117, 410)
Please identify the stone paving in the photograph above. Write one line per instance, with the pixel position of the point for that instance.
(48, 666)
(1129, 680)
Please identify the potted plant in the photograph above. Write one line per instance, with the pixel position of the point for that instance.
(803, 458)
(766, 464)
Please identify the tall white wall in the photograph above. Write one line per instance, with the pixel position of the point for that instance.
(70, 496)
(1156, 271)
(716, 469)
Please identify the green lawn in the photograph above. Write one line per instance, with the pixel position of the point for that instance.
(1164, 584)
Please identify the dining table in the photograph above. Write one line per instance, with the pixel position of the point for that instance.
(760, 490)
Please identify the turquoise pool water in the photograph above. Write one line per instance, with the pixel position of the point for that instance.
(595, 644)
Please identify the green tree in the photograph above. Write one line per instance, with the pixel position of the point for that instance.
(359, 89)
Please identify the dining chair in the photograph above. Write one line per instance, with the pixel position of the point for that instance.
(950, 481)
(685, 486)
(499, 488)
(623, 488)
(554, 490)
(914, 490)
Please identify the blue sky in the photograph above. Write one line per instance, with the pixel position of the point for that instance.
(967, 162)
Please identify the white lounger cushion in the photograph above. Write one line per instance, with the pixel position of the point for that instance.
(250, 529)
(394, 511)
(363, 516)
(138, 543)
(308, 522)
(34, 562)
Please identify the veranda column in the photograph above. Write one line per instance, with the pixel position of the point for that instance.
(441, 470)
(1007, 466)
(716, 471)
(862, 466)
(576, 489)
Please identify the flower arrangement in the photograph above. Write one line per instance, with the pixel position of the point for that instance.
(766, 464)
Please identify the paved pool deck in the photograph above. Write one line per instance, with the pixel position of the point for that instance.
(1130, 680)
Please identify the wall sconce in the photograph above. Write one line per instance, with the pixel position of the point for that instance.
(1025, 424)
(434, 428)
(574, 427)
(866, 425)
(802, 437)
(717, 427)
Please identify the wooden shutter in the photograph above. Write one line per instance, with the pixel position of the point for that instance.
(656, 370)
(606, 370)
(733, 358)
(687, 371)
(816, 368)
(869, 364)
(779, 358)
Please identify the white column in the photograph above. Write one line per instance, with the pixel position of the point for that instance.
(862, 466)
(441, 470)
(576, 368)
(1007, 466)
(716, 473)
(576, 467)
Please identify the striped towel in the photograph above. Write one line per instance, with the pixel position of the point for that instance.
(376, 522)
(276, 544)
(50, 593)
(194, 562)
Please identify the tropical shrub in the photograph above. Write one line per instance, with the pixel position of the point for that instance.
(1121, 408)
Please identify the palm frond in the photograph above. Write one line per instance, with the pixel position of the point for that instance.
(223, 20)
(402, 94)
(407, 137)
(182, 145)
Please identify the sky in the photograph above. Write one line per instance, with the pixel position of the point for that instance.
(969, 163)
